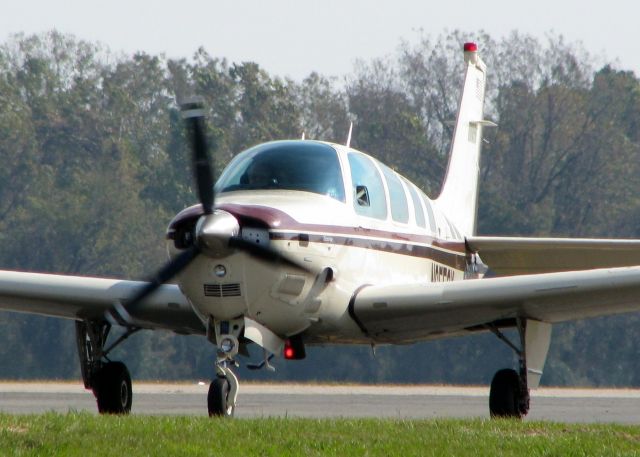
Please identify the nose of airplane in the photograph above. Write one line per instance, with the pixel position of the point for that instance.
(213, 232)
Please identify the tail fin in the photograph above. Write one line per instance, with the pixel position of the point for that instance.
(458, 198)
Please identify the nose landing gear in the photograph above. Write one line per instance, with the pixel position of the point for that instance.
(223, 390)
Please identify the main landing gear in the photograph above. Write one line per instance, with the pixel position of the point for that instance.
(509, 394)
(109, 381)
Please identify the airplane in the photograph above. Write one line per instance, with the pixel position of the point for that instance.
(305, 242)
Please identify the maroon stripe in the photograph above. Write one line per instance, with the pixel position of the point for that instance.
(276, 220)
(452, 260)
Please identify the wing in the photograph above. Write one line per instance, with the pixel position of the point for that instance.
(405, 313)
(79, 298)
(515, 256)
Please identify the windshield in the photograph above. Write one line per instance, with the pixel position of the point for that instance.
(292, 165)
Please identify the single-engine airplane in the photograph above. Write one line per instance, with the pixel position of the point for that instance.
(305, 242)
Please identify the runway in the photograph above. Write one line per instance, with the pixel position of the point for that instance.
(323, 401)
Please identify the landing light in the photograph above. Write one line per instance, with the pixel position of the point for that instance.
(220, 271)
(227, 345)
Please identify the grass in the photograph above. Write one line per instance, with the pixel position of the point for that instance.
(85, 434)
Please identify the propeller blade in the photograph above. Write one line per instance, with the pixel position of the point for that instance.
(120, 313)
(266, 253)
(193, 114)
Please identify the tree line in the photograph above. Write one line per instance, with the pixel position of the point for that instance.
(95, 164)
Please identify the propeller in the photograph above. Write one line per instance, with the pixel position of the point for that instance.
(193, 113)
(121, 314)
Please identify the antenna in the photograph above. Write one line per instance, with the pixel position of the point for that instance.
(349, 136)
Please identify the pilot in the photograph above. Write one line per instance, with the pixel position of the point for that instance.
(260, 175)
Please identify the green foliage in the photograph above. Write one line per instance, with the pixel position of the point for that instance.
(95, 164)
(75, 434)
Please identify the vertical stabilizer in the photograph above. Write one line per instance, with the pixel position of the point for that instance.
(459, 196)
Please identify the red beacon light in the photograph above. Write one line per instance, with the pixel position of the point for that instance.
(294, 348)
(470, 47)
(471, 53)
(289, 353)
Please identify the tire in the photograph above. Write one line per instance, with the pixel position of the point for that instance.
(504, 396)
(113, 389)
(218, 398)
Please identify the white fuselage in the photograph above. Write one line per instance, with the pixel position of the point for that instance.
(323, 232)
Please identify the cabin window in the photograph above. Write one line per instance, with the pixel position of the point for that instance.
(430, 215)
(417, 205)
(399, 204)
(367, 187)
(291, 165)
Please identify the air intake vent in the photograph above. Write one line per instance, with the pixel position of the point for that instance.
(222, 290)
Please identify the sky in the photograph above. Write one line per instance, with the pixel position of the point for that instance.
(295, 37)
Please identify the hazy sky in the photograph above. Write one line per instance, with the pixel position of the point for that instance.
(295, 37)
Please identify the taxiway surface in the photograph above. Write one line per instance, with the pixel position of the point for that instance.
(300, 400)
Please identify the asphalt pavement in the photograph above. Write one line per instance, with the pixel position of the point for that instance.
(324, 401)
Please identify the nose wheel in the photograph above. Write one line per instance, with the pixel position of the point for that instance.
(223, 392)
(218, 403)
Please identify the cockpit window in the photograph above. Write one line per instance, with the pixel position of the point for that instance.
(291, 165)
